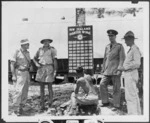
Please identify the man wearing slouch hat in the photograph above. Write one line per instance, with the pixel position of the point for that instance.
(130, 68)
(46, 61)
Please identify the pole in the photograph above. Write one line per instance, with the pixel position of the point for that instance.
(80, 16)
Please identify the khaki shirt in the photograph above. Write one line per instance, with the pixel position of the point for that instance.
(19, 58)
(113, 59)
(46, 57)
(133, 59)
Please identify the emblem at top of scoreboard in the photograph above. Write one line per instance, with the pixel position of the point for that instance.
(80, 37)
(80, 33)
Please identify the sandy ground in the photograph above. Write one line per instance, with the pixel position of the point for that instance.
(62, 94)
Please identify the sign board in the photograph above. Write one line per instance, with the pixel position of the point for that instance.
(80, 48)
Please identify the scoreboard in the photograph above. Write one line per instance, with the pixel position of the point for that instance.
(80, 48)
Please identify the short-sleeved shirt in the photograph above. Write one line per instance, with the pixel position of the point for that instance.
(22, 62)
(46, 57)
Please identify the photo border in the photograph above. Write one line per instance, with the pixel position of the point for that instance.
(4, 76)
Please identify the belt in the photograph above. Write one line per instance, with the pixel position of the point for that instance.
(46, 64)
(23, 70)
(130, 70)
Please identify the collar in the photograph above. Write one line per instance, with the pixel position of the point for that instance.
(47, 47)
(113, 43)
(23, 50)
(132, 46)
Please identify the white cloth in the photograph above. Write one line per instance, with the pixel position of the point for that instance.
(21, 88)
(131, 64)
(23, 78)
(131, 93)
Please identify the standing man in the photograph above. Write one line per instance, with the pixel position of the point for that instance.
(113, 59)
(46, 61)
(89, 95)
(20, 64)
(130, 68)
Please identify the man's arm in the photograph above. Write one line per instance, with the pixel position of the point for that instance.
(76, 90)
(54, 56)
(36, 63)
(121, 60)
(103, 65)
(12, 66)
(121, 57)
(132, 64)
(135, 63)
(55, 65)
(35, 59)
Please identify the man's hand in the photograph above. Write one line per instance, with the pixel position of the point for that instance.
(75, 95)
(14, 78)
(38, 65)
(55, 73)
(121, 69)
(118, 73)
(102, 71)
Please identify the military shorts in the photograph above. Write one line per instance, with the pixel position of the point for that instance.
(45, 74)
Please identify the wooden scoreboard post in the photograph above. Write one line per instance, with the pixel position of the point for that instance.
(80, 16)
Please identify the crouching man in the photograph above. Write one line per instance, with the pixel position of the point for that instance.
(85, 93)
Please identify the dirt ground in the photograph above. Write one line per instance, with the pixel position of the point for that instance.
(62, 93)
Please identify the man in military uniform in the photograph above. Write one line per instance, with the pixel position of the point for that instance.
(88, 95)
(130, 68)
(46, 61)
(20, 63)
(113, 59)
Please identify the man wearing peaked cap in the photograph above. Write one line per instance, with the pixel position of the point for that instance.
(112, 32)
(20, 63)
(130, 68)
(113, 59)
(46, 61)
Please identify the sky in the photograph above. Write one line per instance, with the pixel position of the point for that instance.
(46, 22)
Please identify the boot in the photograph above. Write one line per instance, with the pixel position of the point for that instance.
(42, 109)
(19, 111)
(73, 112)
